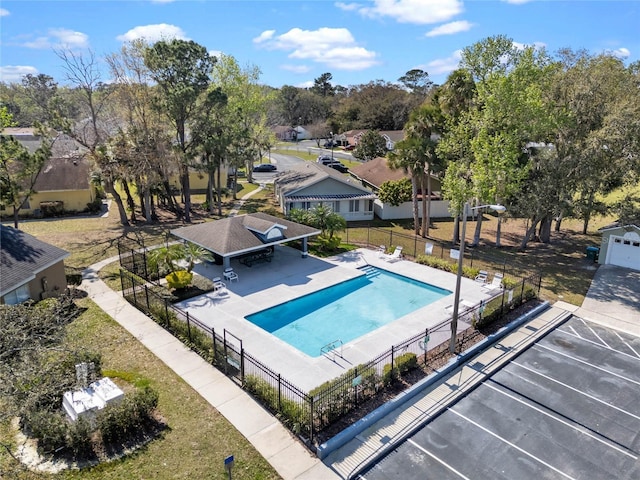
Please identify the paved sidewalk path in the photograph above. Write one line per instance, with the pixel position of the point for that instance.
(273, 441)
(238, 205)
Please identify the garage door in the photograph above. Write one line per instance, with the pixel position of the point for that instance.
(624, 252)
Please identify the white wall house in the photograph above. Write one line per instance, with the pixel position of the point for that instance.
(311, 184)
(374, 173)
(620, 246)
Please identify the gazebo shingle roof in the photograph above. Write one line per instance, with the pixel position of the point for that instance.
(235, 235)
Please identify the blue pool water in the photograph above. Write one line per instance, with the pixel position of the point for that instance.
(347, 310)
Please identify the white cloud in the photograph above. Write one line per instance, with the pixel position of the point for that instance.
(348, 7)
(444, 65)
(4, 12)
(215, 53)
(307, 84)
(69, 38)
(264, 36)
(450, 28)
(59, 38)
(296, 68)
(420, 12)
(621, 52)
(153, 33)
(332, 47)
(14, 73)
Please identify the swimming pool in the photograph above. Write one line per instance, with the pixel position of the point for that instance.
(347, 310)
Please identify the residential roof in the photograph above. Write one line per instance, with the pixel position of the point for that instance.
(22, 256)
(244, 233)
(64, 174)
(307, 174)
(375, 172)
(617, 225)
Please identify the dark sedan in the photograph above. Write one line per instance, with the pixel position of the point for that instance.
(265, 167)
(338, 166)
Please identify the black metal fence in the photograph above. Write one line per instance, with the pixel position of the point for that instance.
(414, 246)
(306, 413)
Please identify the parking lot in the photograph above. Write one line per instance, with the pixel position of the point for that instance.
(567, 407)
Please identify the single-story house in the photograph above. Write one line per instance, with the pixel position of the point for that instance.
(391, 137)
(284, 133)
(29, 268)
(310, 184)
(620, 245)
(64, 183)
(248, 237)
(374, 173)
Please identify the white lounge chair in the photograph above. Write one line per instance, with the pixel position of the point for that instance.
(428, 248)
(395, 256)
(496, 282)
(482, 277)
(230, 275)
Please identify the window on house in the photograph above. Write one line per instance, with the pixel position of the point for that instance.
(336, 207)
(370, 206)
(354, 205)
(19, 295)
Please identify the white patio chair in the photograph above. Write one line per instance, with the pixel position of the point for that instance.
(428, 248)
(496, 282)
(482, 277)
(395, 256)
(230, 275)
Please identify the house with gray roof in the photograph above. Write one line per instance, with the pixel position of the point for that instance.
(620, 245)
(29, 268)
(310, 184)
(249, 238)
(64, 183)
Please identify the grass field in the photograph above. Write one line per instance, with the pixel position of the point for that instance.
(198, 438)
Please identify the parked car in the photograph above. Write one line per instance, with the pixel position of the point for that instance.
(349, 147)
(338, 166)
(325, 159)
(265, 167)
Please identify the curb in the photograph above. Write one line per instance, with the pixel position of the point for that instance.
(361, 425)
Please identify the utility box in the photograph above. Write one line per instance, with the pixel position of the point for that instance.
(593, 253)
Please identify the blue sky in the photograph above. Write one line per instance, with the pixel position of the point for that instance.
(293, 42)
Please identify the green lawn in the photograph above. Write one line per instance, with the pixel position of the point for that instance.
(197, 439)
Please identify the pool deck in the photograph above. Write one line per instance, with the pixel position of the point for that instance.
(289, 276)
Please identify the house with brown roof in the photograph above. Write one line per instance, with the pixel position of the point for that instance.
(374, 173)
(310, 184)
(64, 181)
(29, 268)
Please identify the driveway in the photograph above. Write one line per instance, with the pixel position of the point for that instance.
(614, 296)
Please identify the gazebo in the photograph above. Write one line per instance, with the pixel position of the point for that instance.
(250, 237)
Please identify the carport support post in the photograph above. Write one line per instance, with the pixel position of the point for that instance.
(305, 248)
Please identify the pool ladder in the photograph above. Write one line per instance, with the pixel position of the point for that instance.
(333, 348)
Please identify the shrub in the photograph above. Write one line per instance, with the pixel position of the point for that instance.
(389, 375)
(79, 436)
(179, 279)
(119, 420)
(50, 428)
(406, 362)
(443, 264)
